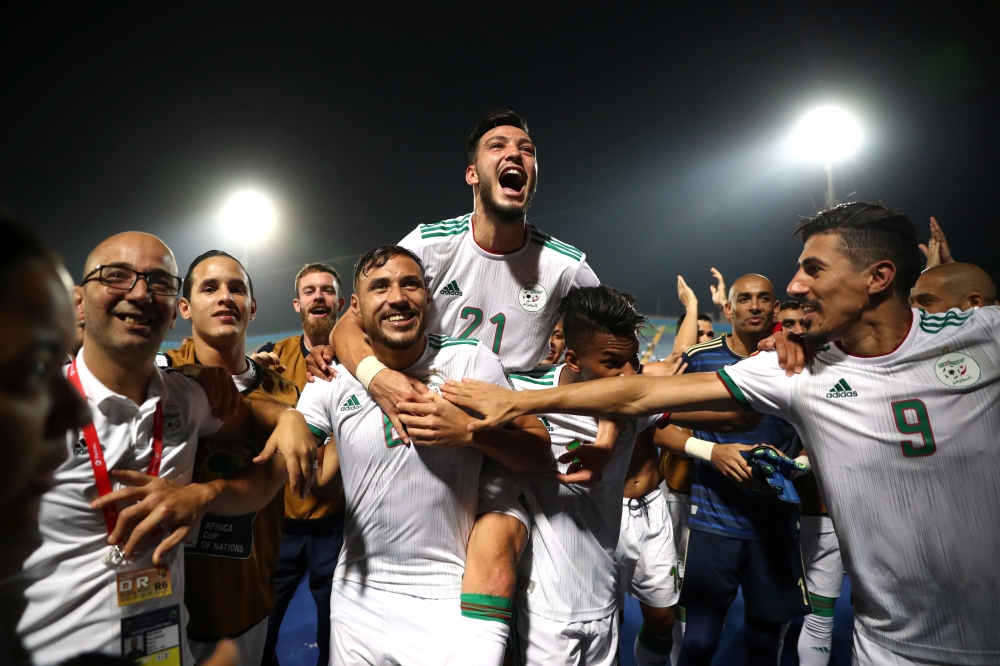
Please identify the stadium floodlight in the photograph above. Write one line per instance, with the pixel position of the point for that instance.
(826, 135)
(248, 216)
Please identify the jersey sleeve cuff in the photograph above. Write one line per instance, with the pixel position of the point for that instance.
(733, 389)
(318, 432)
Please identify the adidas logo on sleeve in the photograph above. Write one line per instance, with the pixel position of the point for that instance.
(842, 390)
(350, 404)
(451, 289)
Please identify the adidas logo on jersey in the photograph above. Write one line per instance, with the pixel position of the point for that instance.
(350, 404)
(80, 448)
(451, 289)
(842, 390)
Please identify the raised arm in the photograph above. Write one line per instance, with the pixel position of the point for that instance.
(687, 334)
(635, 395)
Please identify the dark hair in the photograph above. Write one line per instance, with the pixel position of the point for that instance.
(588, 311)
(378, 257)
(317, 267)
(495, 119)
(205, 256)
(871, 232)
(19, 245)
(701, 317)
(789, 305)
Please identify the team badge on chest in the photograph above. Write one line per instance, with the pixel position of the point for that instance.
(173, 424)
(532, 297)
(957, 369)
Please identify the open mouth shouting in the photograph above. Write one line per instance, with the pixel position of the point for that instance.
(320, 311)
(513, 181)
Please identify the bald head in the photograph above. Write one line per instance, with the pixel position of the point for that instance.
(954, 285)
(751, 307)
(122, 247)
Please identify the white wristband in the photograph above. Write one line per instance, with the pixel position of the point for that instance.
(699, 448)
(367, 369)
(804, 460)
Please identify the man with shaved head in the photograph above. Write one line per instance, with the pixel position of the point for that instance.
(103, 569)
(955, 285)
(738, 537)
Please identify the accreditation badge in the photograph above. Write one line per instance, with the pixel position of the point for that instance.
(153, 637)
(143, 584)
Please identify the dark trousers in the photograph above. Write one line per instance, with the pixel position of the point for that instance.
(308, 546)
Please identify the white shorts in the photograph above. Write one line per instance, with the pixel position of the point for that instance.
(867, 653)
(249, 644)
(679, 505)
(544, 642)
(500, 492)
(821, 556)
(369, 626)
(646, 557)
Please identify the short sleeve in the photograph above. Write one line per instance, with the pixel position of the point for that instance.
(585, 276)
(414, 243)
(758, 383)
(198, 410)
(314, 405)
(489, 369)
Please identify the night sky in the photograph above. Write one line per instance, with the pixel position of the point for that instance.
(660, 128)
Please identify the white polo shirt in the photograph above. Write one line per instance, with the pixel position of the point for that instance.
(69, 592)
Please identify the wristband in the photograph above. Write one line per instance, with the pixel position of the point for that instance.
(804, 460)
(367, 369)
(699, 448)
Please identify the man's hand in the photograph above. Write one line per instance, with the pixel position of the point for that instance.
(319, 364)
(390, 388)
(268, 360)
(158, 503)
(728, 459)
(686, 295)
(296, 442)
(720, 296)
(223, 396)
(793, 351)
(944, 255)
(587, 461)
(435, 422)
(932, 251)
(497, 405)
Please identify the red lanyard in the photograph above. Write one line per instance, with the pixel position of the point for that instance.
(97, 454)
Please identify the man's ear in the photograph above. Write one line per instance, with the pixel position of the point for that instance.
(184, 306)
(471, 177)
(340, 305)
(253, 308)
(298, 307)
(727, 310)
(355, 309)
(973, 300)
(881, 275)
(572, 360)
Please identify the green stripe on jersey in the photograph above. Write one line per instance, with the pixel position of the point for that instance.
(734, 390)
(545, 240)
(445, 228)
(547, 380)
(935, 323)
(318, 432)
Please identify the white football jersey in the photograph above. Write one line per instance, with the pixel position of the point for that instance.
(509, 301)
(410, 509)
(567, 573)
(906, 448)
(71, 605)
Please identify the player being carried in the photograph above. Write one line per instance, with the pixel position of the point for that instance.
(907, 459)
(410, 509)
(492, 277)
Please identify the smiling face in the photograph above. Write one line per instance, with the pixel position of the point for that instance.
(751, 307)
(129, 324)
(220, 308)
(318, 304)
(37, 404)
(605, 355)
(557, 344)
(392, 302)
(505, 173)
(832, 293)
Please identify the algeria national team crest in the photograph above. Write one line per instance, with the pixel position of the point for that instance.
(532, 297)
(173, 424)
(434, 382)
(957, 369)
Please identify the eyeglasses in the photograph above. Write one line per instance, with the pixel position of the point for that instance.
(119, 277)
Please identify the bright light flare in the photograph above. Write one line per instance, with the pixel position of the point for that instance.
(248, 215)
(826, 134)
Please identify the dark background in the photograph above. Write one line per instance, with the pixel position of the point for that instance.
(660, 128)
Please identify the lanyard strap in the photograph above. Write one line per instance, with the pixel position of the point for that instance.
(97, 454)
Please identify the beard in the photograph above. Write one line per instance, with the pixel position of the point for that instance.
(318, 329)
(501, 212)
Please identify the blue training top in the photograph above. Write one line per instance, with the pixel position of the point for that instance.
(718, 505)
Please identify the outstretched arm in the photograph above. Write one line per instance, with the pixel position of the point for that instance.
(635, 395)
(687, 334)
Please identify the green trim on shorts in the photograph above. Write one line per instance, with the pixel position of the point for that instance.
(486, 607)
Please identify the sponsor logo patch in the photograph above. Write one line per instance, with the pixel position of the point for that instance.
(350, 404)
(842, 390)
(451, 289)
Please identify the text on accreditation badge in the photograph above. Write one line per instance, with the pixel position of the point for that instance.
(140, 585)
(153, 637)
